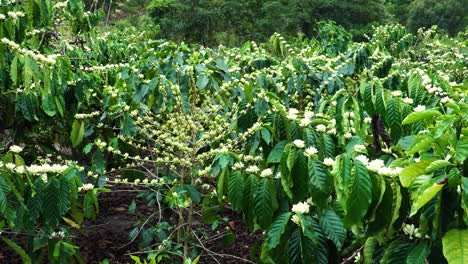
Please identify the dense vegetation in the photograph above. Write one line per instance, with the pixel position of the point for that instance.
(341, 151)
(230, 22)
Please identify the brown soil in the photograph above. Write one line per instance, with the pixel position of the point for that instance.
(107, 236)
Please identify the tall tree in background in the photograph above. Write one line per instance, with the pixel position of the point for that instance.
(450, 15)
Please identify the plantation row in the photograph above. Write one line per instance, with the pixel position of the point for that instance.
(340, 151)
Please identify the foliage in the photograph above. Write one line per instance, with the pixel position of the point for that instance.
(338, 150)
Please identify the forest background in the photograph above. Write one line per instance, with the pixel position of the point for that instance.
(232, 22)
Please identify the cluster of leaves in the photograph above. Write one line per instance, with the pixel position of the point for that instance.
(338, 149)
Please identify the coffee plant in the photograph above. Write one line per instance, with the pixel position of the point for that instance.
(339, 151)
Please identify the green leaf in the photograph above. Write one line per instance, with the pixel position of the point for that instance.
(359, 195)
(220, 183)
(332, 226)
(436, 165)
(236, 190)
(424, 196)
(128, 126)
(369, 249)
(4, 190)
(393, 117)
(193, 193)
(455, 246)
(291, 157)
(51, 201)
(77, 133)
(132, 207)
(421, 145)
(420, 115)
(90, 205)
(202, 82)
(276, 152)
(307, 228)
(461, 151)
(414, 170)
(48, 104)
(277, 229)
(319, 182)
(418, 253)
(99, 162)
(24, 256)
(263, 203)
(14, 70)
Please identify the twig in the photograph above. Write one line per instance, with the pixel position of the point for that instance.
(350, 258)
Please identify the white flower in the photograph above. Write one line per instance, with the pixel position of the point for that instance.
(367, 120)
(2, 17)
(348, 135)
(385, 171)
(419, 108)
(238, 165)
(266, 172)
(305, 122)
(295, 219)
(16, 149)
(252, 169)
(396, 93)
(292, 113)
(375, 165)
(359, 148)
(87, 187)
(310, 151)
(321, 128)
(20, 169)
(300, 208)
(445, 100)
(328, 162)
(331, 131)
(10, 166)
(363, 159)
(357, 258)
(396, 171)
(408, 100)
(298, 143)
(309, 114)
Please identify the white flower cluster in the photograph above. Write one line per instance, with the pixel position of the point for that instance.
(2, 17)
(101, 144)
(61, 4)
(252, 169)
(15, 15)
(46, 168)
(16, 149)
(310, 151)
(266, 173)
(408, 100)
(83, 116)
(320, 128)
(301, 208)
(298, 143)
(359, 148)
(292, 114)
(86, 187)
(105, 67)
(49, 59)
(419, 108)
(412, 231)
(328, 162)
(379, 167)
(57, 235)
